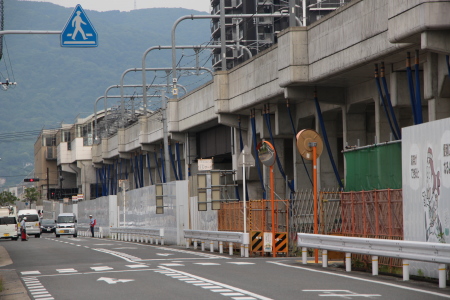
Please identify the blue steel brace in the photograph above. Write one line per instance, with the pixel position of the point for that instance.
(163, 166)
(325, 138)
(258, 167)
(133, 170)
(96, 183)
(418, 92)
(383, 101)
(295, 136)
(157, 166)
(180, 169)
(280, 167)
(411, 87)
(172, 162)
(389, 103)
(149, 169)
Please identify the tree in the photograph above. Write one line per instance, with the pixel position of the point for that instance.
(31, 194)
(7, 198)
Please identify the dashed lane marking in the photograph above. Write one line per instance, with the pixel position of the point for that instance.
(30, 273)
(207, 284)
(102, 268)
(71, 270)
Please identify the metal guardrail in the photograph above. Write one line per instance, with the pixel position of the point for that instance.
(138, 234)
(230, 237)
(86, 231)
(406, 250)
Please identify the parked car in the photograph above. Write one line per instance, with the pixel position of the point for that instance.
(48, 225)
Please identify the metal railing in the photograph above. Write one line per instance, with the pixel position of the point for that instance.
(86, 231)
(138, 234)
(230, 237)
(406, 250)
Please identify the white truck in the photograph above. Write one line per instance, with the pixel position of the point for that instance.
(8, 223)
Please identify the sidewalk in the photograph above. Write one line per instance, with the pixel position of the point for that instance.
(13, 288)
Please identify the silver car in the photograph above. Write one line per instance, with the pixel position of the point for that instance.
(66, 224)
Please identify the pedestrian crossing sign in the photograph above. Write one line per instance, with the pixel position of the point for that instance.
(79, 31)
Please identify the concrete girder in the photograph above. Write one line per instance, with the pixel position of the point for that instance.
(331, 95)
(231, 120)
(436, 41)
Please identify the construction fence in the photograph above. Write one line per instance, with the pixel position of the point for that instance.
(373, 214)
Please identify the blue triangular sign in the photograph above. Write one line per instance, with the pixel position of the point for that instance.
(79, 31)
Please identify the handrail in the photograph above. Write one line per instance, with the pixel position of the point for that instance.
(219, 236)
(406, 250)
(138, 234)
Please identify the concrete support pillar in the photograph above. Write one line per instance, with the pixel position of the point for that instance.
(434, 80)
(356, 129)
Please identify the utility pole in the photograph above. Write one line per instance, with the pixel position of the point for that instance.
(223, 39)
(292, 20)
(48, 185)
(166, 136)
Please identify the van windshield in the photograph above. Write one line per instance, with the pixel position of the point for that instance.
(8, 220)
(30, 218)
(65, 219)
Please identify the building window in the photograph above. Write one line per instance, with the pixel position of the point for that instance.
(48, 140)
(85, 131)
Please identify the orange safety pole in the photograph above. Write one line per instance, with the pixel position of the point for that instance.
(272, 198)
(316, 227)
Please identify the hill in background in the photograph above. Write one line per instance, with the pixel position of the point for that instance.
(55, 84)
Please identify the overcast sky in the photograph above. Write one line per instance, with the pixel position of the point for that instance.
(127, 5)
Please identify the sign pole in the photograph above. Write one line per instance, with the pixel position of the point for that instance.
(272, 198)
(245, 193)
(316, 231)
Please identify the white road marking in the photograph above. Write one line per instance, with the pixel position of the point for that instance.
(125, 256)
(130, 248)
(113, 280)
(164, 254)
(136, 266)
(172, 265)
(207, 264)
(30, 273)
(213, 285)
(103, 268)
(71, 270)
(40, 296)
(240, 263)
(361, 279)
(36, 289)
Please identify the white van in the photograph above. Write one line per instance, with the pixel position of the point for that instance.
(8, 223)
(33, 222)
(66, 224)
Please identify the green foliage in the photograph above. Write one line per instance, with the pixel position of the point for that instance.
(7, 198)
(31, 194)
(56, 84)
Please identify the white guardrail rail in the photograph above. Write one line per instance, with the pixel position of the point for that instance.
(137, 234)
(229, 237)
(407, 250)
(86, 231)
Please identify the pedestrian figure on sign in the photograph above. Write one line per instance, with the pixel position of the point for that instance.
(92, 223)
(76, 22)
